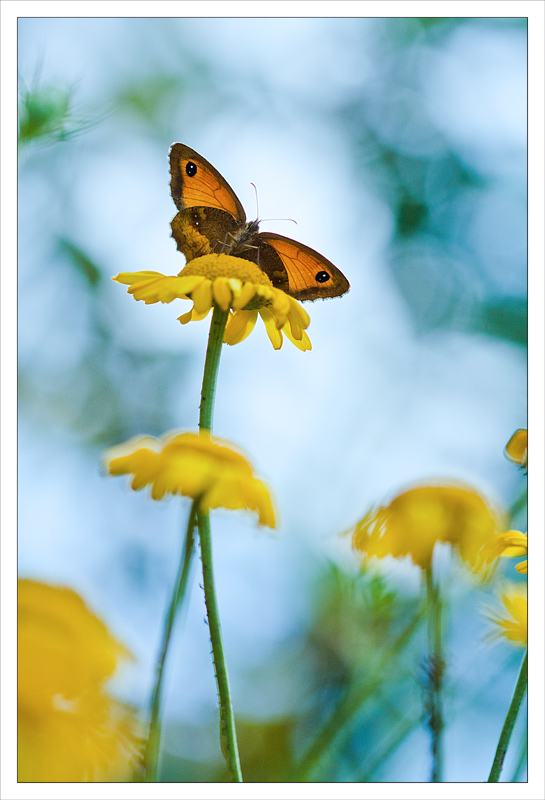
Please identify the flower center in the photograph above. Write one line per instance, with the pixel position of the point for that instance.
(219, 265)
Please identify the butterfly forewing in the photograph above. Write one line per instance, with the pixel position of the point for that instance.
(195, 182)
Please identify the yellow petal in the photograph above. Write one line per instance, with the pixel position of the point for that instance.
(185, 285)
(241, 492)
(243, 296)
(516, 448)
(185, 318)
(202, 297)
(264, 504)
(159, 290)
(298, 314)
(303, 342)
(136, 277)
(222, 292)
(239, 326)
(280, 308)
(270, 326)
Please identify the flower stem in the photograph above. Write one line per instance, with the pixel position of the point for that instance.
(509, 724)
(152, 746)
(228, 736)
(435, 673)
(211, 366)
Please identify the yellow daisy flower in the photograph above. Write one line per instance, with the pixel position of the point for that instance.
(511, 544)
(194, 465)
(512, 622)
(69, 728)
(414, 521)
(516, 449)
(233, 284)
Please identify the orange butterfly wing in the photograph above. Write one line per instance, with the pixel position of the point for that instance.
(293, 267)
(195, 182)
(310, 275)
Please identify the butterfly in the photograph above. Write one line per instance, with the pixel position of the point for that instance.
(211, 219)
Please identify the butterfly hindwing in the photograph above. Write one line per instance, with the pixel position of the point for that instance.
(310, 275)
(200, 230)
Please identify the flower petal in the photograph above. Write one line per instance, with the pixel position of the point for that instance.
(239, 326)
(136, 277)
(202, 297)
(280, 308)
(271, 327)
(516, 449)
(243, 296)
(302, 342)
(298, 315)
(222, 292)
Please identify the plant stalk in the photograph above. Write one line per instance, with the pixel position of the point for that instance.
(509, 724)
(228, 736)
(151, 756)
(435, 674)
(211, 367)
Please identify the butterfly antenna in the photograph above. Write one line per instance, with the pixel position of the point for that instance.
(279, 219)
(256, 200)
(272, 219)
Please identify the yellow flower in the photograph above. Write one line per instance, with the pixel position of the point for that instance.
(412, 523)
(233, 284)
(511, 544)
(69, 728)
(513, 621)
(516, 448)
(193, 465)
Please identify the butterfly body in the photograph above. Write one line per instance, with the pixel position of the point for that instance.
(211, 219)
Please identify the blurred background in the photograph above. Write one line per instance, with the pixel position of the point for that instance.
(399, 147)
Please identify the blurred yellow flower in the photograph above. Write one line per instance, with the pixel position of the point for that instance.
(511, 544)
(516, 449)
(512, 620)
(69, 727)
(414, 521)
(194, 465)
(233, 284)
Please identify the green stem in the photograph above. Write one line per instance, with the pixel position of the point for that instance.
(211, 366)
(436, 670)
(519, 504)
(228, 736)
(151, 756)
(509, 724)
(215, 339)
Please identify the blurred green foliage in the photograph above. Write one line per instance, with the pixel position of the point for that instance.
(360, 655)
(44, 113)
(505, 318)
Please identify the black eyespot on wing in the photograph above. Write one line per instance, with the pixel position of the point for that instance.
(191, 168)
(322, 277)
